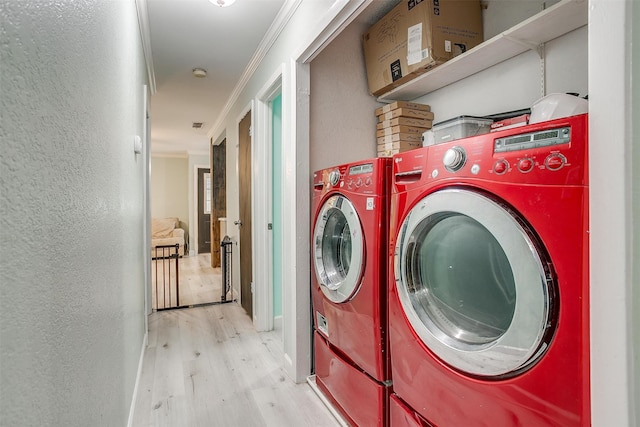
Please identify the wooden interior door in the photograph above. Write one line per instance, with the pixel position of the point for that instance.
(204, 210)
(244, 172)
(218, 198)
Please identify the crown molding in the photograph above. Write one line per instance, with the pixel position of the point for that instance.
(279, 23)
(338, 17)
(145, 35)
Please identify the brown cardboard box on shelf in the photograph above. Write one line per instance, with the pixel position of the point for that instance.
(402, 104)
(415, 138)
(388, 153)
(405, 121)
(416, 36)
(406, 112)
(399, 145)
(399, 129)
(391, 148)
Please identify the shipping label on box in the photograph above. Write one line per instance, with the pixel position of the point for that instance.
(416, 36)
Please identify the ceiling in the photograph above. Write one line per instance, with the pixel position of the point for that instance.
(188, 34)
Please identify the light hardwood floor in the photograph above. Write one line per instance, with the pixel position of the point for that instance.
(207, 366)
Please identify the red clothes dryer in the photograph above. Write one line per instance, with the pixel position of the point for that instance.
(489, 292)
(349, 287)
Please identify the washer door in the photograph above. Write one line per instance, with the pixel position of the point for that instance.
(338, 249)
(472, 284)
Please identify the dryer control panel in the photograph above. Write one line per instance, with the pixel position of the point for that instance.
(547, 153)
(525, 141)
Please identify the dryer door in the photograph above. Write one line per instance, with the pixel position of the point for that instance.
(472, 284)
(338, 249)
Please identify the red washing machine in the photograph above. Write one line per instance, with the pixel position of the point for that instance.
(349, 288)
(489, 291)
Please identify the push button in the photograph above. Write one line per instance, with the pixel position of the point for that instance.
(525, 165)
(555, 161)
(501, 167)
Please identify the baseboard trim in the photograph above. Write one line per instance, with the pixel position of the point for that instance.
(311, 380)
(132, 408)
(277, 323)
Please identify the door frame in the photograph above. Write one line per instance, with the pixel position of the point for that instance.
(193, 245)
(296, 241)
(263, 200)
(146, 221)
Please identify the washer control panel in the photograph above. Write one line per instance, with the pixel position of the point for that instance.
(367, 177)
(359, 176)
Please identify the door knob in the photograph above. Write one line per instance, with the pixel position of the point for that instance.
(238, 223)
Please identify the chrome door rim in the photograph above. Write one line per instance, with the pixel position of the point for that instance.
(521, 344)
(339, 289)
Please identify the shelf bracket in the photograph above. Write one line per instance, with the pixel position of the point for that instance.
(538, 48)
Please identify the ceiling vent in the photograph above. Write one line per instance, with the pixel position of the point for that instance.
(197, 125)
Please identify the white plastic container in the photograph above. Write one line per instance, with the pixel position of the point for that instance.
(456, 128)
(556, 106)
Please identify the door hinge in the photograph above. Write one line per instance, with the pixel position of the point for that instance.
(270, 226)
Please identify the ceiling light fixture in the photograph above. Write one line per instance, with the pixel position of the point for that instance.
(222, 3)
(199, 72)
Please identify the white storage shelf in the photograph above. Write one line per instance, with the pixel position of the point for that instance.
(551, 23)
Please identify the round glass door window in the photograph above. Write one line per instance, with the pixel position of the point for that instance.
(472, 284)
(338, 249)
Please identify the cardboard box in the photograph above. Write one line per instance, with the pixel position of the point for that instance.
(399, 145)
(417, 35)
(389, 149)
(399, 129)
(405, 121)
(404, 137)
(402, 104)
(406, 112)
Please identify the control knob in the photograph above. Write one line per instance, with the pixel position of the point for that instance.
(334, 177)
(454, 159)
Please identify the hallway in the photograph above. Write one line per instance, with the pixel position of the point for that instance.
(207, 366)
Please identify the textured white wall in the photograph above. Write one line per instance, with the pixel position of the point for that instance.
(71, 212)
